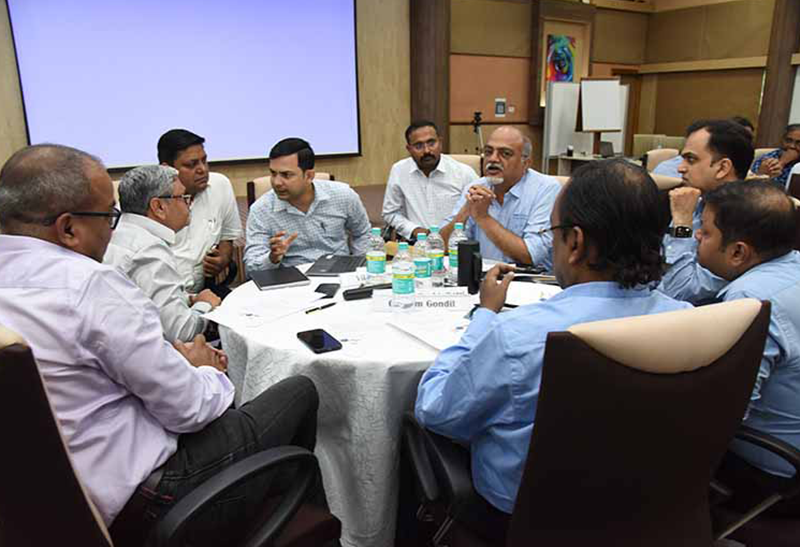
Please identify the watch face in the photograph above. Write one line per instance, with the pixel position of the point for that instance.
(681, 231)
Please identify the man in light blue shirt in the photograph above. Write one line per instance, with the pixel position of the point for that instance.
(301, 219)
(606, 254)
(669, 168)
(716, 152)
(747, 238)
(506, 210)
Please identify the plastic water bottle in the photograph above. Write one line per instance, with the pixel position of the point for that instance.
(376, 258)
(422, 264)
(403, 279)
(452, 248)
(436, 254)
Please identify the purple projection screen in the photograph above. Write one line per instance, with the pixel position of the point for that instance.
(110, 76)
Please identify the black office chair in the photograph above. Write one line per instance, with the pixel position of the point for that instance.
(633, 416)
(42, 500)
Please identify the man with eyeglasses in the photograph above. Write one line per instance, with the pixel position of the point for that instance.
(484, 390)
(145, 421)
(715, 152)
(155, 205)
(507, 210)
(423, 188)
(779, 163)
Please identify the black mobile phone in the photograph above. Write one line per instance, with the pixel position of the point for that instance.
(319, 341)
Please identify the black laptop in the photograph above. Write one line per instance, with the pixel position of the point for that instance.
(333, 265)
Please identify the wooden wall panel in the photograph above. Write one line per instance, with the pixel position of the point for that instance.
(619, 37)
(12, 118)
(475, 82)
(384, 99)
(675, 36)
(737, 29)
(491, 27)
(684, 97)
(430, 62)
(647, 104)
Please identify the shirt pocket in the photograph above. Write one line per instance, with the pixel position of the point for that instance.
(518, 223)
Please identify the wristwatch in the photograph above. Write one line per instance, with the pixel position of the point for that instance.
(681, 231)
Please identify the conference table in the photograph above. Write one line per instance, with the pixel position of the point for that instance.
(364, 388)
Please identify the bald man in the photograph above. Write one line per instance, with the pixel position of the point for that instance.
(508, 210)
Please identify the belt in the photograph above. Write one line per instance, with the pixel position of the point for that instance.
(129, 526)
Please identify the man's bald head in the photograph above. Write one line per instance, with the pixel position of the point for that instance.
(42, 181)
(507, 155)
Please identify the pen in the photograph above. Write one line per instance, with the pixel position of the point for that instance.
(321, 307)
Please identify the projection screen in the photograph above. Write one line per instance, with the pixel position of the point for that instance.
(110, 76)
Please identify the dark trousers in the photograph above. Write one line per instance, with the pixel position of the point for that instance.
(285, 414)
(751, 486)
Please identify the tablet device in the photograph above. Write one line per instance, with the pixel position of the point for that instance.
(278, 278)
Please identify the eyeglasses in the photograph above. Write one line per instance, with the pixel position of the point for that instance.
(113, 217)
(788, 141)
(420, 146)
(552, 228)
(187, 198)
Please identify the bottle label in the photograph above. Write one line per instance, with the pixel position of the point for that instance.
(376, 264)
(437, 260)
(454, 259)
(403, 283)
(422, 267)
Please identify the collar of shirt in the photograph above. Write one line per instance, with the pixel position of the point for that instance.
(440, 167)
(151, 226)
(321, 193)
(789, 260)
(602, 289)
(25, 243)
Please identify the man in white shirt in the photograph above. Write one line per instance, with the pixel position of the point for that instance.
(203, 249)
(154, 206)
(424, 188)
(145, 421)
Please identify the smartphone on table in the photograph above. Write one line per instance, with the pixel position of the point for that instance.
(319, 340)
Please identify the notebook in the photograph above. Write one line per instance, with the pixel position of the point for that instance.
(279, 278)
(333, 265)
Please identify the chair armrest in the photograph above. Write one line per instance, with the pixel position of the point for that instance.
(777, 447)
(169, 530)
(451, 464)
(413, 441)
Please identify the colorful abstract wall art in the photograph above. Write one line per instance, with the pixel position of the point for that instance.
(560, 58)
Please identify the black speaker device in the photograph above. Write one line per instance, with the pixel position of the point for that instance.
(470, 265)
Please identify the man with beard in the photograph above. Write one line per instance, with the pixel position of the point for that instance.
(423, 188)
(508, 210)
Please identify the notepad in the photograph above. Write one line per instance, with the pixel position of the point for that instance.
(279, 278)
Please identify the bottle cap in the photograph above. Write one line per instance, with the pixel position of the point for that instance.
(422, 237)
(402, 246)
(459, 226)
(376, 231)
(434, 229)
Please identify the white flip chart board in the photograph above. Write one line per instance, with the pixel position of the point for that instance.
(600, 105)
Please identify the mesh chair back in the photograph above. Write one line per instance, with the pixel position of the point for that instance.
(42, 501)
(623, 457)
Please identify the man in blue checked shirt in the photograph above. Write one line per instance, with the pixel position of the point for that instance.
(484, 390)
(302, 219)
(747, 238)
(506, 210)
(779, 163)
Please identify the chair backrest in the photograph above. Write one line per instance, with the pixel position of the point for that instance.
(372, 197)
(473, 160)
(115, 183)
(654, 157)
(42, 501)
(562, 180)
(260, 186)
(761, 151)
(633, 416)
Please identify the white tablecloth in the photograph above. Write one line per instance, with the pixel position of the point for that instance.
(364, 390)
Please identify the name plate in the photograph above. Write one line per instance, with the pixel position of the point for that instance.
(444, 298)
